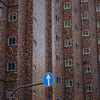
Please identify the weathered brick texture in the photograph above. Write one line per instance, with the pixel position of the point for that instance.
(36, 21)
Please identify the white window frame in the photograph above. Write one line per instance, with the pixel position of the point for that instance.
(85, 17)
(99, 8)
(69, 80)
(86, 51)
(67, 5)
(9, 41)
(84, 1)
(85, 33)
(87, 68)
(10, 93)
(67, 23)
(91, 88)
(68, 63)
(11, 66)
(12, 16)
(68, 43)
(97, 25)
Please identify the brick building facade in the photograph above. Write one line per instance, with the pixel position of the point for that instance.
(57, 36)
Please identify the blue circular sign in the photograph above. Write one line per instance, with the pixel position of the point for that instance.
(48, 79)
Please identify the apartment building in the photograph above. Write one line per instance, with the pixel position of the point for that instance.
(57, 36)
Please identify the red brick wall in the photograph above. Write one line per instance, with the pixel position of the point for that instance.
(77, 54)
(3, 21)
(25, 54)
(97, 3)
(90, 78)
(57, 49)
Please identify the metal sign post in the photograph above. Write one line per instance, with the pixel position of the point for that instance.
(23, 87)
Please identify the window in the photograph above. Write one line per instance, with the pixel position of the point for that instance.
(11, 66)
(92, 19)
(34, 92)
(13, 16)
(12, 41)
(96, 90)
(93, 36)
(67, 5)
(34, 43)
(34, 19)
(85, 15)
(68, 43)
(57, 58)
(57, 1)
(83, 0)
(34, 67)
(88, 88)
(78, 65)
(85, 33)
(69, 83)
(76, 28)
(94, 53)
(47, 51)
(78, 85)
(58, 80)
(76, 10)
(57, 38)
(86, 51)
(95, 71)
(67, 24)
(47, 30)
(98, 8)
(87, 69)
(8, 93)
(99, 41)
(57, 19)
(98, 24)
(77, 46)
(68, 62)
(92, 3)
